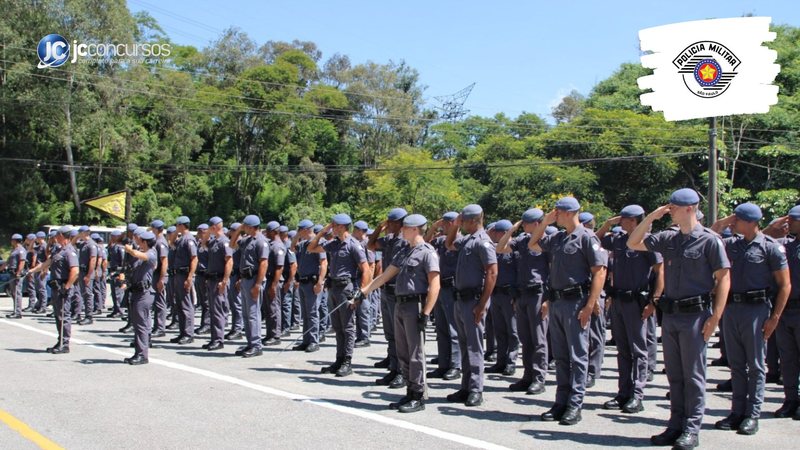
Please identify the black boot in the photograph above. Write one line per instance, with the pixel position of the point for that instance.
(345, 369)
(333, 368)
(416, 403)
(402, 400)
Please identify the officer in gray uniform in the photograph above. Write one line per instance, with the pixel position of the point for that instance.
(16, 263)
(312, 269)
(286, 282)
(695, 265)
(363, 312)
(577, 275)
(39, 284)
(234, 298)
(475, 278)
(185, 266)
(449, 352)
(116, 254)
(346, 258)
(252, 276)
(200, 291)
(632, 274)
(272, 301)
(416, 269)
(141, 295)
(31, 262)
(597, 328)
(172, 303)
(160, 279)
(533, 271)
(100, 281)
(88, 261)
(504, 296)
(788, 332)
(63, 267)
(218, 274)
(759, 278)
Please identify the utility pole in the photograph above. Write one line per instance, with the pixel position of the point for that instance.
(712, 172)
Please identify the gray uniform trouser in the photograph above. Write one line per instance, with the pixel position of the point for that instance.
(505, 328)
(375, 309)
(184, 305)
(271, 309)
(287, 300)
(746, 349)
(410, 344)
(630, 334)
(140, 305)
(570, 345)
(235, 304)
(202, 300)
(470, 340)
(99, 286)
(788, 339)
(324, 317)
(16, 294)
(491, 340)
(41, 291)
(652, 343)
(685, 361)
(533, 335)
(117, 294)
(343, 319)
(87, 294)
(160, 306)
(31, 287)
(251, 312)
(297, 310)
(597, 340)
(218, 311)
(309, 302)
(387, 309)
(363, 321)
(61, 312)
(449, 353)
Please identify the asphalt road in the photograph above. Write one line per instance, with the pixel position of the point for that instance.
(191, 398)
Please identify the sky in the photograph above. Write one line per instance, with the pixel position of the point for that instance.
(521, 55)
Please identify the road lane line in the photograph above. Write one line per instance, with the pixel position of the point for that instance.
(27, 432)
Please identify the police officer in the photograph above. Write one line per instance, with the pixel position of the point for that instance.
(185, 267)
(252, 275)
(577, 275)
(363, 311)
(416, 269)
(272, 301)
(172, 303)
(597, 327)
(88, 262)
(200, 280)
(220, 264)
(475, 278)
(504, 296)
(160, 279)
(116, 254)
(234, 298)
(287, 281)
(449, 352)
(312, 269)
(388, 245)
(31, 262)
(141, 296)
(631, 275)
(759, 277)
(39, 284)
(533, 271)
(63, 266)
(324, 317)
(100, 275)
(16, 263)
(347, 258)
(695, 265)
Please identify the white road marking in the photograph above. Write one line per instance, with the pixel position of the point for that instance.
(477, 443)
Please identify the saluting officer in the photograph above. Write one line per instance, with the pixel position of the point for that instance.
(160, 279)
(272, 302)
(312, 269)
(141, 296)
(502, 303)
(695, 265)
(346, 258)
(363, 325)
(597, 327)
(577, 275)
(632, 275)
(234, 298)
(218, 274)
(533, 271)
(759, 277)
(252, 275)
(16, 262)
(185, 266)
(416, 269)
(200, 291)
(475, 278)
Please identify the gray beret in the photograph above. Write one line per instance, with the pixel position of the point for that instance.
(414, 220)
(684, 197)
(569, 204)
(748, 212)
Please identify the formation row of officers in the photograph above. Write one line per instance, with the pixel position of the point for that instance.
(542, 292)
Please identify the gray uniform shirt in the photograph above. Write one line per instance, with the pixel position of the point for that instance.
(277, 256)
(255, 249)
(632, 269)
(64, 259)
(573, 256)
(448, 259)
(415, 264)
(793, 256)
(143, 269)
(162, 251)
(17, 255)
(345, 257)
(753, 263)
(219, 248)
(533, 267)
(475, 251)
(185, 249)
(307, 262)
(88, 251)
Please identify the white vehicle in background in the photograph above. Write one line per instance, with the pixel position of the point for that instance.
(104, 232)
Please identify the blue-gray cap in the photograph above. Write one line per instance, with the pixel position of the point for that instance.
(235, 226)
(585, 217)
(471, 211)
(225, 230)
(66, 229)
(490, 227)
(283, 229)
(684, 197)
(632, 211)
(214, 220)
(53, 233)
(794, 213)
(503, 225)
(532, 215)
(273, 225)
(370, 231)
(450, 216)
(159, 224)
(292, 233)
(30, 236)
(361, 225)
(94, 236)
(397, 214)
(182, 220)
(171, 229)
(116, 233)
(99, 239)
(616, 229)
(147, 235)
(748, 212)
(83, 228)
(342, 219)
(139, 231)
(305, 224)
(40, 234)
(16, 237)
(73, 232)
(252, 220)
(132, 226)
(550, 230)
(202, 226)
(569, 204)
(317, 228)
(414, 220)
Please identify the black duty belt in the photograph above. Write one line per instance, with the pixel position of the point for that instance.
(214, 276)
(83, 268)
(628, 296)
(468, 294)
(200, 272)
(698, 303)
(170, 272)
(506, 289)
(182, 270)
(575, 292)
(389, 289)
(137, 288)
(418, 298)
(247, 273)
(533, 288)
(310, 279)
(341, 282)
(750, 297)
(447, 282)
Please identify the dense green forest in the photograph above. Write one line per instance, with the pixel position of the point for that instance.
(281, 130)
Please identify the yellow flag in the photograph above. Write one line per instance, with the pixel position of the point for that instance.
(113, 204)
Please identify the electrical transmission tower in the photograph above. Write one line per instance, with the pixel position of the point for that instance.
(452, 106)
